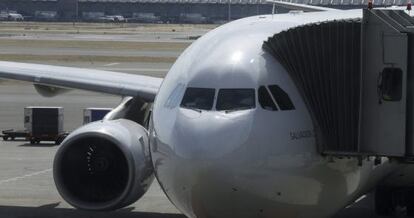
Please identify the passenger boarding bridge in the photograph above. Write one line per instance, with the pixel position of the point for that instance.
(357, 80)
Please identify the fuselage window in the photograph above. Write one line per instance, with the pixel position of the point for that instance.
(198, 98)
(282, 98)
(265, 100)
(236, 99)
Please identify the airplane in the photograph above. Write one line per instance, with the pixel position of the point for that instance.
(112, 18)
(227, 132)
(11, 16)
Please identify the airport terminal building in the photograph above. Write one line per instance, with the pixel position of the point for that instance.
(171, 11)
(197, 11)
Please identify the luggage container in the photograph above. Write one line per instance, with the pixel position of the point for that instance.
(44, 124)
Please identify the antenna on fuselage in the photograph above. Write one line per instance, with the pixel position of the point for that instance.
(370, 5)
(273, 9)
(409, 7)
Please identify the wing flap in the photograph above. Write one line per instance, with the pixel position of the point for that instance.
(115, 83)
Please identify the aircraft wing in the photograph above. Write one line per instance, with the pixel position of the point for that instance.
(302, 7)
(115, 83)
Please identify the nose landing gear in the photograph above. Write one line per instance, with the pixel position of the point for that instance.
(384, 205)
(394, 201)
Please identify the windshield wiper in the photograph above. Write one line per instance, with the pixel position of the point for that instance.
(230, 111)
(194, 109)
(237, 109)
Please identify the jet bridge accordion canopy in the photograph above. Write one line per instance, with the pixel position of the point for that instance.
(352, 75)
(323, 59)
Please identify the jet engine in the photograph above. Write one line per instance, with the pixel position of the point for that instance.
(104, 165)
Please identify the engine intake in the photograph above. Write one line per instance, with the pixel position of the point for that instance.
(104, 165)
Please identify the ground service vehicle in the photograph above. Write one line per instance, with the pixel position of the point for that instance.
(40, 124)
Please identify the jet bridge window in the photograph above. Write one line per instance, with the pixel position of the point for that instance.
(236, 99)
(282, 98)
(390, 87)
(198, 98)
(265, 100)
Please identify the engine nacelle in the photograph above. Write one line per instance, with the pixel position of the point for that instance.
(104, 165)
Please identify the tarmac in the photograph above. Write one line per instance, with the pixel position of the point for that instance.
(27, 189)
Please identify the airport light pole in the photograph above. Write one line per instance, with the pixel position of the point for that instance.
(77, 10)
(229, 11)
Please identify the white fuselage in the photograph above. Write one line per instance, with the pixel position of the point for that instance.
(253, 162)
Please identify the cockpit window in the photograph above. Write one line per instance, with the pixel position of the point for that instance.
(265, 100)
(198, 98)
(282, 98)
(235, 99)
